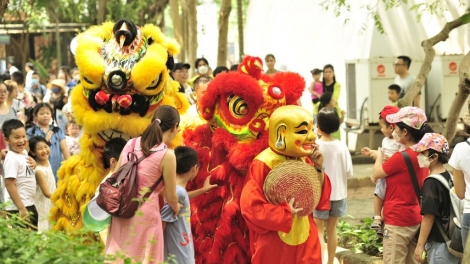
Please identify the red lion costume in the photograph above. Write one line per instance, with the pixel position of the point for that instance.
(237, 106)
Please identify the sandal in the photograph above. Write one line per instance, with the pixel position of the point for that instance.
(380, 233)
(377, 224)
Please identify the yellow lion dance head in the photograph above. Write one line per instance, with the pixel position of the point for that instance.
(123, 79)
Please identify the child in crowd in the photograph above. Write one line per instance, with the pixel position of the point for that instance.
(72, 137)
(111, 152)
(20, 180)
(178, 240)
(389, 147)
(39, 150)
(316, 87)
(435, 200)
(53, 134)
(327, 100)
(338, 166)
(394, 92)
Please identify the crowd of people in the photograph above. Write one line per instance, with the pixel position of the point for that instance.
(40, 132)
(407, 136)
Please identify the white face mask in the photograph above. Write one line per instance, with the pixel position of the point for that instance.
(396, 136)
(203, 69)
(423, 161)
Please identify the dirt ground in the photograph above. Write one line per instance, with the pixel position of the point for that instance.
(360, 204)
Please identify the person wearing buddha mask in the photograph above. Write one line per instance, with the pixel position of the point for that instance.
(279, 233)
(202, 69)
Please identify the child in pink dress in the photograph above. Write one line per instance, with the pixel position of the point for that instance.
(316, 87)
(140, 237)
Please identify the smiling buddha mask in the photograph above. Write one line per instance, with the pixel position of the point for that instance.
(291, 131)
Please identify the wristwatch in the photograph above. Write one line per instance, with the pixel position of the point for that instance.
(321, 169)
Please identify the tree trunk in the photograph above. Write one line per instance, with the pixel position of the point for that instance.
(224, 14)
(185, 32)
(177, 25)
(3, 6)
(459, 100)
(192, 31)
(429, 57)
(58, 42)
(185, 46)
(101, 12)
(241, 41)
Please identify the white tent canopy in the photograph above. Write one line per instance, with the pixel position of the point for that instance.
(303, 35)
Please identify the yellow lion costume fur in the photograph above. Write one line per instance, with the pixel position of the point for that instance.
(123, 79)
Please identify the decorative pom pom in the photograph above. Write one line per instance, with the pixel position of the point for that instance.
(124, 100)
(101, 98)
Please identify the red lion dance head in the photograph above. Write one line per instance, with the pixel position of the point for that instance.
(237, 106)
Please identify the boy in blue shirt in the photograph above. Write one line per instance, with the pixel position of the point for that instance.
(178, 240)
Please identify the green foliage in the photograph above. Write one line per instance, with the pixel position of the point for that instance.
(141, 12)
(359, 238)
(19, 245)
(338, 6)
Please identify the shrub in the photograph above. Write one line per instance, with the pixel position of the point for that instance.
(21, 245)
(359, 238)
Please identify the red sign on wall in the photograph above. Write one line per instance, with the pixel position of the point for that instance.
(380, 70)
(453, 67)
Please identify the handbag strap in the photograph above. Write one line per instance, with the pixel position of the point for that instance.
(441, 229)
(152, 188)
(132, 151)
(412, 173)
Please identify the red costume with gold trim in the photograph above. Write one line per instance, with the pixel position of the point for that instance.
(237, 106)
(277, 235)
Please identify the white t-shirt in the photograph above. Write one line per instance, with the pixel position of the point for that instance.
(390, 146)
(405, 83)
(15, 167)
(460, 160)
(338, 166)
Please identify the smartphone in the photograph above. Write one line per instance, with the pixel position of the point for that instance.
(55, 129)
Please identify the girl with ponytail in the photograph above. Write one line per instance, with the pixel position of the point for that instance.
(141, 236)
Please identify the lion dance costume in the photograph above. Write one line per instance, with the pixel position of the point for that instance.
(123, 79)
(237, 106)
(277, 235)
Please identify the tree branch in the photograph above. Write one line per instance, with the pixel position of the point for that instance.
(3, 6)
(429, 57)
(459, 100)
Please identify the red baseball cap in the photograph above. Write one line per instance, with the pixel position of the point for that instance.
(388, 110)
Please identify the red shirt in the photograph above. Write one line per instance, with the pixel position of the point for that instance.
(401, 206)
(264, 220)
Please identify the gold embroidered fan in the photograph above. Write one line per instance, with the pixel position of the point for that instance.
(294, 179)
